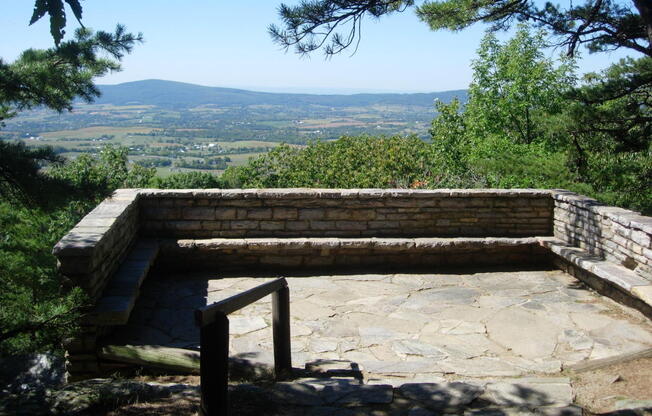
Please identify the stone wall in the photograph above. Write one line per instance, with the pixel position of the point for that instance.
(345, 213)
(92, 251)
(618, 235)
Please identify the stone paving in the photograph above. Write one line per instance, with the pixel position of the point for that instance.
(399, 328)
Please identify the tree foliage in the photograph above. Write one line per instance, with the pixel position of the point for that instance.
(57, 12)
(55, 77)
(600, 25)
(37, 308)
(315, 23)
(186, 180)
(350, 162)
(515, 86)
(527, 124)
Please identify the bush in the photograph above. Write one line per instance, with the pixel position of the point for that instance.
(186, 180)
(350, 162)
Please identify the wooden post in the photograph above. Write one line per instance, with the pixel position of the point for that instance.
(214, 366)
(281, 330)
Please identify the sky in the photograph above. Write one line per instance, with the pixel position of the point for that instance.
(226, 44)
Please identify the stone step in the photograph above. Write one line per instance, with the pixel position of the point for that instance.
(457, 397)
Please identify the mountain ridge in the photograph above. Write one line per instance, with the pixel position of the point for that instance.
(176, 94)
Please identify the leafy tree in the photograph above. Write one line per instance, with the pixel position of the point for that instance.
(514, 86)
(606, 154)
(515, 89)
(615, 105)
(97, 177)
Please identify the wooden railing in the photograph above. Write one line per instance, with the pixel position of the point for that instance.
(214, 338)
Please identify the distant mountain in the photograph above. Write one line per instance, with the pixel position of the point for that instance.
(178, 94)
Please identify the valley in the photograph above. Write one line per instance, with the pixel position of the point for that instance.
(178, 127)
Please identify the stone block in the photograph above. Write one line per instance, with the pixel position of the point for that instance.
(225, 213)
(383, 225)
(441, 397)
(111, 310)
(211, 225)
(618, 275)
(312, 214)
(241, 203)
(322, 225)
(243, 225)
(297, 225)
(161, 213)
(77, 244)
(198, 213)
(285, 213)
(363, 214)
(350, 225)
(272, 225)
(184, 225)
(259, 214)
(285, 261)
(530, 392)
(339, 214)
(644, 293)
(641, 238)
(321, 261)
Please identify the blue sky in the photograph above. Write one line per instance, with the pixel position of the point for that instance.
(225, 43)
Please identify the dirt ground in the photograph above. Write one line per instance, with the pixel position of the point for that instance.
(598, 391)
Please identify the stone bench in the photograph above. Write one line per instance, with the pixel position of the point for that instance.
(327, 253)
(605, 277)
(123, 288)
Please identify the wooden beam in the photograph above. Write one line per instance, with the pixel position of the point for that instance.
(205, 315)
(606, 362)
(175, 359)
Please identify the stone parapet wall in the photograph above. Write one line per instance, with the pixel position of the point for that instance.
(92, 251)
(615, 234)
(345, 213)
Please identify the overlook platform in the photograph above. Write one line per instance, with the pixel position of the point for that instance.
(404, 327)
(382, 297)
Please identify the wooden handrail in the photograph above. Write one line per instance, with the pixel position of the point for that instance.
(227, 306)
(214, 340)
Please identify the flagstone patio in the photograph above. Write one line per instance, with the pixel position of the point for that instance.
(404, 327)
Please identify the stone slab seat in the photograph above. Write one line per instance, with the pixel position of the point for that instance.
(398, 244)
(120, 294)
(608, 272)
(338, 252)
